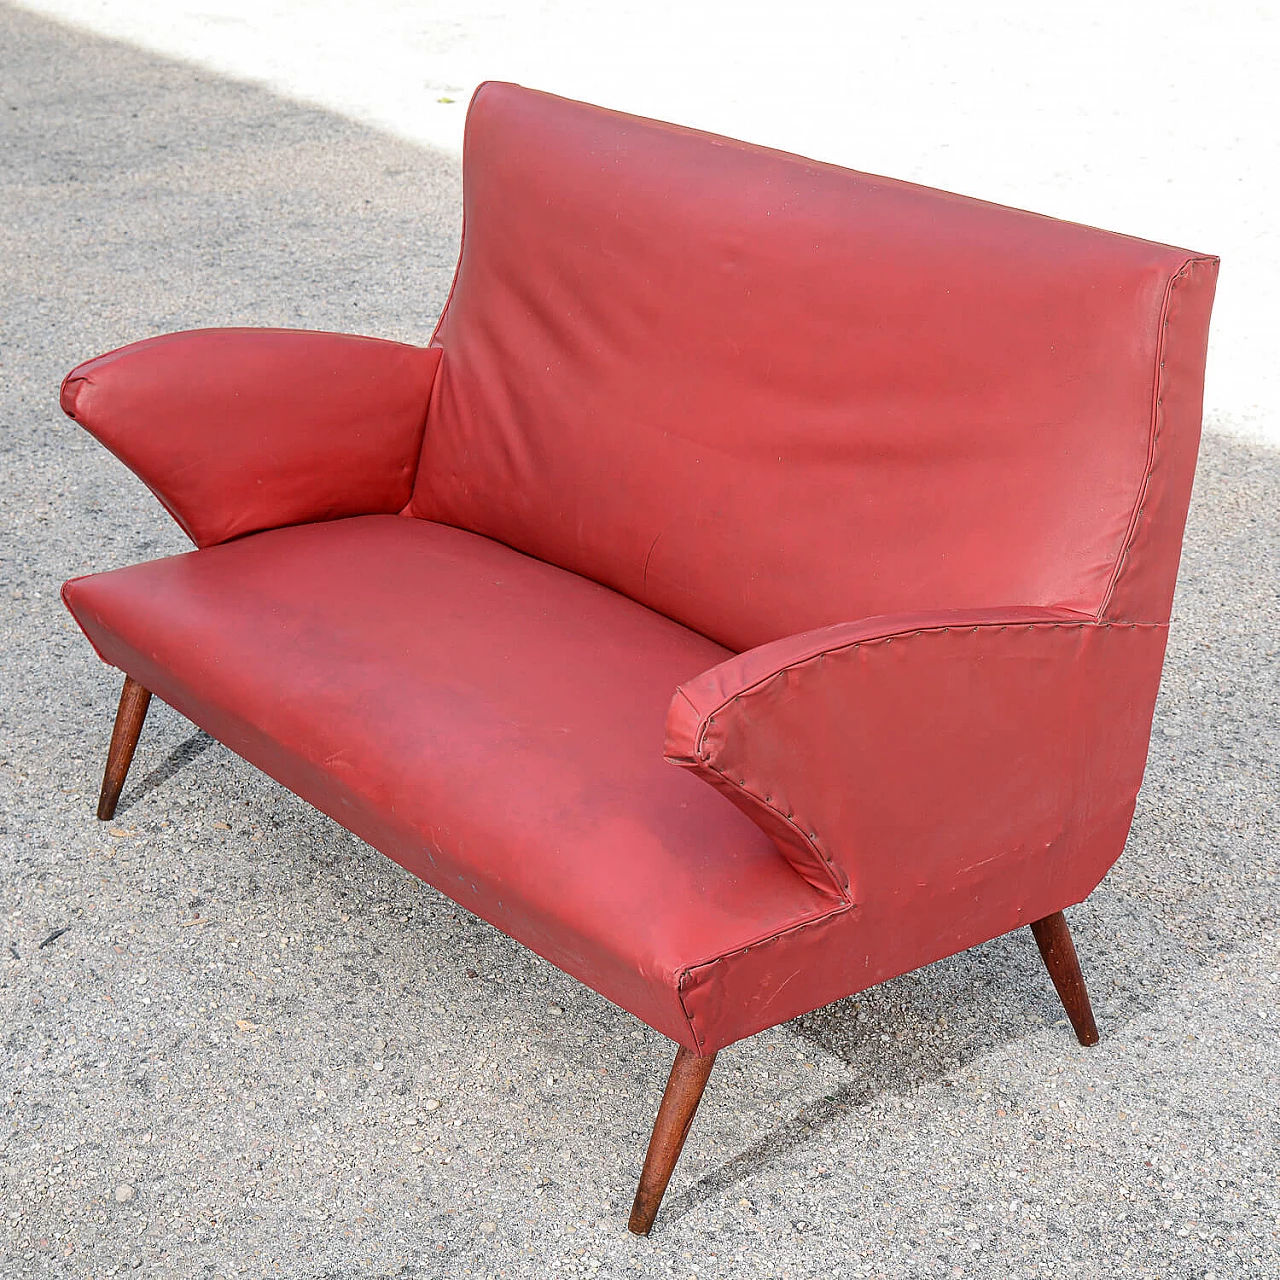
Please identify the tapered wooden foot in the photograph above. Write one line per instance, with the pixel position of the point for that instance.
(1054, 940)
(684, 1091)
(134, 701)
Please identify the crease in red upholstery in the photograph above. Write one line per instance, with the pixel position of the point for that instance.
(239, 430)
(767, 355)
(491, 722)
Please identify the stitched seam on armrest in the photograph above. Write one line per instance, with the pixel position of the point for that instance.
(764, 940)
(1157, 420)
(810, 838)
(886, 637)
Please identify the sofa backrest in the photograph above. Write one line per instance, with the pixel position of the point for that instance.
(761, 394)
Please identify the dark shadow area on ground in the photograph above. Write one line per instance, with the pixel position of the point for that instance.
(177, 760)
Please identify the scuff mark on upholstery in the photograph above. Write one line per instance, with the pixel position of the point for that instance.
(777, 991)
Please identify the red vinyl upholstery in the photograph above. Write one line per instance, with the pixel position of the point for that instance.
(237, 430)
(951, 776)
(491, 722)
(762, 395)
(874, 494)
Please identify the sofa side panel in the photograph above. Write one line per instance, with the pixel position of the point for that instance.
(965, 780)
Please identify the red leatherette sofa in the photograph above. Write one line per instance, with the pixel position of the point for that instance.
(869, 495)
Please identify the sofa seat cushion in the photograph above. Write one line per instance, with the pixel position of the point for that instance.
(493, 723)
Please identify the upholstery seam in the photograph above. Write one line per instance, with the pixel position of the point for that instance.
(453, 284)
(73, 376)
(444, 312)
(843, 892)
(689, 700)
(894, 635)
(422, 429)
(687, 972)
(66, 604)
(1153, 437)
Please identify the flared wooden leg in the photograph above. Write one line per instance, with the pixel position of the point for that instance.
(134, 701)
(1054, 940)
(684, 1091)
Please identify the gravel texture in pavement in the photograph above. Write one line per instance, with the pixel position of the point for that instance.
(237, 1041)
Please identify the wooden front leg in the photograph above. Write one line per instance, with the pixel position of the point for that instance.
(134, 701)
(675, 1115)
(1054, 940)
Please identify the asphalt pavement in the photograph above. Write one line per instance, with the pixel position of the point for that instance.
(239, 1042)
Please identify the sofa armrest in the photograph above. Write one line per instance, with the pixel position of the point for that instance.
(894, 753)
(238, 430)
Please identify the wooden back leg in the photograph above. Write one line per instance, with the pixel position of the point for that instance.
(1059, 952)
(134, 701)
(675, 1115)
